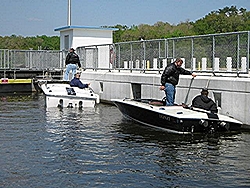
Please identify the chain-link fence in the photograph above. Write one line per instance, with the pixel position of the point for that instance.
(227, 53)
(4, 59)
(30, 59)
(224, 53)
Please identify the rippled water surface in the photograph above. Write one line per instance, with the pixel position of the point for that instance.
(99, 148)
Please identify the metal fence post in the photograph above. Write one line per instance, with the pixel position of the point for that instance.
(248, 50)
(213, 52)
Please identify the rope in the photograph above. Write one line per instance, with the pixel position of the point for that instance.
(100, 76)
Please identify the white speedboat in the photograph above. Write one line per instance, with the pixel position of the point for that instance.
(175, 119)
(62, 95)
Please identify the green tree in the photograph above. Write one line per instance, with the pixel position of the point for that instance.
(228, 19)
(26, 43)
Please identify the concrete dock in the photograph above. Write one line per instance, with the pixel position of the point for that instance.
(231, 93)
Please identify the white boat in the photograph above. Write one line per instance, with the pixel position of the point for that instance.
(62, 95)
(175, 119)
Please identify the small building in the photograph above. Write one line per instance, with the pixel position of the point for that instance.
(76, 36)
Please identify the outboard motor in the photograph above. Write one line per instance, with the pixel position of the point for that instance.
(70, 105)
(80, 105)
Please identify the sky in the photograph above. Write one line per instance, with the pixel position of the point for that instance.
(41, 17)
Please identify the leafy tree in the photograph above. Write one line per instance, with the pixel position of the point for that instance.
(223, 20)
(117, 34)
(27, 43)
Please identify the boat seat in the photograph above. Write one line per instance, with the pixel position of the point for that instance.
(70, 91)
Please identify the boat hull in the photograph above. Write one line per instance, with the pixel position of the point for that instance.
(176, 119)
(63, 96)
(65, 102)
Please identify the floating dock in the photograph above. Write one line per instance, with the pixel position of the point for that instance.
(16, 85)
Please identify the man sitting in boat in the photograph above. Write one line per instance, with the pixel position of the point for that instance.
(204, 102)
(76, 82)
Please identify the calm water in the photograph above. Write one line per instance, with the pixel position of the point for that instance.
(99, 148)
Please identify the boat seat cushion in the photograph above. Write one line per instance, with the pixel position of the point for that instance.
(70, 91)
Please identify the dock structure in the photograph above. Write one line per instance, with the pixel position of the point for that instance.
(22, 81)
(16, 85)
(231, 93)
(133, 69)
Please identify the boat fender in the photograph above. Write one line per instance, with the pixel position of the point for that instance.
(192, 129)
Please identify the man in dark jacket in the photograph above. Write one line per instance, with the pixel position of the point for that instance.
(71, 62)
(76, 82)
(170, 78)
(204, 102)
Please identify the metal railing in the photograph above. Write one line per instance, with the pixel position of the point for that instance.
(217, 53)
(30, 59)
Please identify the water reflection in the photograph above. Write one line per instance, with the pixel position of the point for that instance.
(79, 141)
(97, 147)
(196, 159)
(17, 97)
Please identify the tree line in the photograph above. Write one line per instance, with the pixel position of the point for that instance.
(30, 43)
(228, 19)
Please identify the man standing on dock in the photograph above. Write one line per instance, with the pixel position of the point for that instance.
(71, 60)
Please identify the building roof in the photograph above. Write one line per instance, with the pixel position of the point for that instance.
(84, 27)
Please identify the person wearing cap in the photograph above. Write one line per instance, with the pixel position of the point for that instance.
(71, 62)
(170, 78)
(76, 82)
(204, 102)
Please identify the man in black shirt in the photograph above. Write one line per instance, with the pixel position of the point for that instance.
(170, 78)
(72, 61)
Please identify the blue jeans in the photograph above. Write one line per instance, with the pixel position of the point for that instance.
(170, 94)
(70, 67)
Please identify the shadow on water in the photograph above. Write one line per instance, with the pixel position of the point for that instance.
(147, 133)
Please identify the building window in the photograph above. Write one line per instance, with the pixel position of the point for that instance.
(66, 42)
